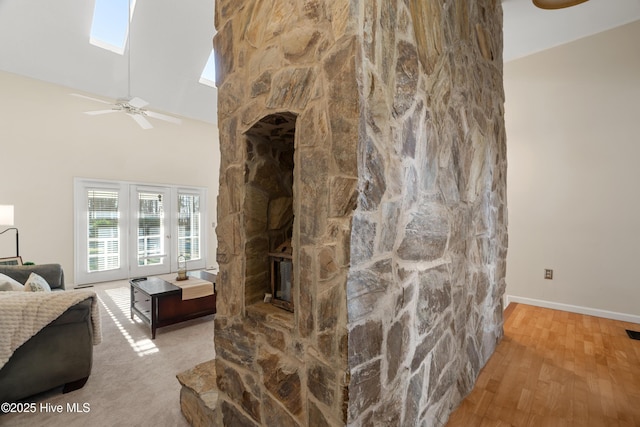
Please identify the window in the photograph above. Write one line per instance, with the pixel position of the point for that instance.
(125, 229)
(103, 240)
(189, 221)
(110, 25)
(150, 228)
(100, 231)
(208, 76)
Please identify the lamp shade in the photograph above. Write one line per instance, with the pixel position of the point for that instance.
(6, 215)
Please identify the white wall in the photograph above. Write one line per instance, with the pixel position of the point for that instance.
(573, 126)
(46, 141)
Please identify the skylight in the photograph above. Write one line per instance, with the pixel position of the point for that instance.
(208, 76)
(110, 25)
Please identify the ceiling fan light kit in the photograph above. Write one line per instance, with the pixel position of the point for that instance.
(556, 4)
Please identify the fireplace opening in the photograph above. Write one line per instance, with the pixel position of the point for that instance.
(268, 210)
(282, 276)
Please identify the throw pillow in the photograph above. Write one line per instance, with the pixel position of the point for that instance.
(36, 283)
(8, 284)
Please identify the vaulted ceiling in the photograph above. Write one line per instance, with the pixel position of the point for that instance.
(171, 41)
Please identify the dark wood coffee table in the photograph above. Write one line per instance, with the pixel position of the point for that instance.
(159, 303)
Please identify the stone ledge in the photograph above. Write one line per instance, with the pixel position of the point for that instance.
(271, 315)
(199, 395)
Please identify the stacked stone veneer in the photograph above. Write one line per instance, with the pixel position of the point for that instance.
(399, 208)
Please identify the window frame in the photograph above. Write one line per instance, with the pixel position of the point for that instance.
(81, 222)
(128, 224)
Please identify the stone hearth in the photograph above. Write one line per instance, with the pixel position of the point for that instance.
(370, 134)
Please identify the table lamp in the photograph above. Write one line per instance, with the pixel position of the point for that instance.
(182, 268)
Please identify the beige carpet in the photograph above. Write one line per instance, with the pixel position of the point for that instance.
(133, 380)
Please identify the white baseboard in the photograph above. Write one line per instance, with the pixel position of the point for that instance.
(631, 318)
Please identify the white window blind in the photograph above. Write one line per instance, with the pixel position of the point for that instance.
(189, 226)
(103, 239)
(150, 228)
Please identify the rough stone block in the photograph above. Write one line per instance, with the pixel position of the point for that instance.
(230, 382)
(236, 344)
(280, 212)
(199, 409)
(256, 206)
(281, 378)
(262, 84)
(276, 415)
(373, 178)
(233, 417)
(326, 263)
(198, 395)
(306, 303)
(428, 32)
(426, 234)
(291, 88)
(406, 78)
(234, 180)
(413, 399)
(300, 40)
(316, 417)
(364, 388)
(398, 340)
(345, 141)
(434, 297)
(365, 342)
(389, 226)
(426, 344)
(230, 150)
(387, 414)
(342, 196)
(321, 380)
(374, 279)
(326, 343)
(223, 42)
(362, 245)
(314, 185)
(329, 308)
(272, 336)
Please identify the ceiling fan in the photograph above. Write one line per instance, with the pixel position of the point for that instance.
(556, 4)
(133, 107)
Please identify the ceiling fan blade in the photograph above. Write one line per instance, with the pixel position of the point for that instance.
(137, 102)
(90, 98)
(144, 123)
(163, 117)
(98, 112)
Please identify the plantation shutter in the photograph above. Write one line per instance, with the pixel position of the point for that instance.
(103, 230)
(189, 226)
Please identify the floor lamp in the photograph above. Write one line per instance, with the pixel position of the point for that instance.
(6, 218)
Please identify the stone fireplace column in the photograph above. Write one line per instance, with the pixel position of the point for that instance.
(368, 136)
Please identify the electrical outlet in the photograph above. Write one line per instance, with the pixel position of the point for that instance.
(548, 274)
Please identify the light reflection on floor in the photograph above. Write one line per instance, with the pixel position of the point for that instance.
(120, 297)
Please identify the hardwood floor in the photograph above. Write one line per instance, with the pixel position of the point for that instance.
(555, 368)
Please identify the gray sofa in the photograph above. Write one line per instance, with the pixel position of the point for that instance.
(52, 273)
(60, 355)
